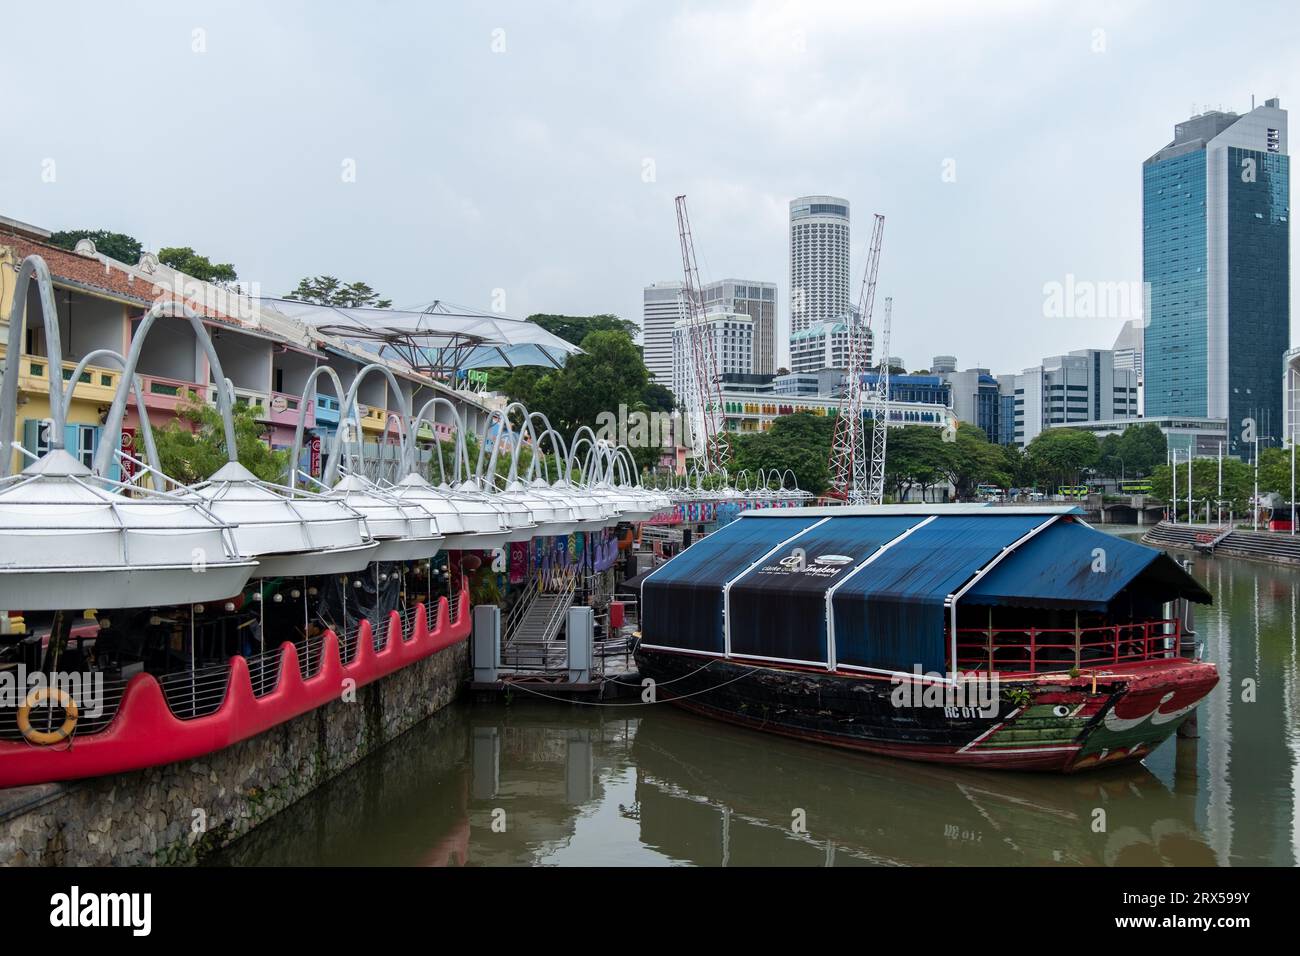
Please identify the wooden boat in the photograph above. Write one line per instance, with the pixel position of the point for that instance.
(1016, 638)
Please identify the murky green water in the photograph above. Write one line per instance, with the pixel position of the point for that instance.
(558, 784)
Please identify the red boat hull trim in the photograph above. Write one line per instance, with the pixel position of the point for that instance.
(145, 733)
(1054, 722)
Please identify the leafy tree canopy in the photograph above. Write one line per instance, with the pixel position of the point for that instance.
(799, 442)
(658, 398)
(970, 460)
(575, 328)
(184, 259)
(116, 245)
(192, 446)
(1060, 455)
(328, 290)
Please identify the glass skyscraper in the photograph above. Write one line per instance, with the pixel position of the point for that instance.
(1215, 256)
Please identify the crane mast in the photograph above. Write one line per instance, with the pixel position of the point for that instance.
(850, 467)
(880, 415)
(709, 439)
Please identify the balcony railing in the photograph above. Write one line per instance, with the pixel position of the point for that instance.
(96, 384)
(1036, 650)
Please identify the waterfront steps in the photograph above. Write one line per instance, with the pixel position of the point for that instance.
(1261, 545)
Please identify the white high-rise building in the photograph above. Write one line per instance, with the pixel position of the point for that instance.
(662, 308)
(824, 345)
(819, 260)
(1082, 386)
(756, 300)
(733, 348)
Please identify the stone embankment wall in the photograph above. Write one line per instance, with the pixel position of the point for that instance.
(182, 813)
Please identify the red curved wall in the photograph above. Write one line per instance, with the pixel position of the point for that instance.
(145, 733)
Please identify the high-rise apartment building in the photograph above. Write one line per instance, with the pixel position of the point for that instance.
(1216, 257)
(733, 348)
(756, 300)
(824, 345)
(819, 260)
(662, 308)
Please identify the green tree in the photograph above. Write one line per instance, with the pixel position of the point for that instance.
(799, 442)
(192, 446)
(1060, 455)
(186, 260)
(1016, 466)
(1238, 484)
(915, 458)
(1275, 472)
(575, 328)
(607, 374)
(328, 290)
(970, 460)
(1142, 447)
(658, 398)
(116, 245)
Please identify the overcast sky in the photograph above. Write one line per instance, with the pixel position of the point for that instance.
(508, 145)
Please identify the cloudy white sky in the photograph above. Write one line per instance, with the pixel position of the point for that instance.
(504, 145)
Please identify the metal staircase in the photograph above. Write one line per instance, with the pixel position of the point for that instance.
(530, 636)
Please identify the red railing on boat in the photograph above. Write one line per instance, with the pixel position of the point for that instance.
(150, 721)
(1034, 650)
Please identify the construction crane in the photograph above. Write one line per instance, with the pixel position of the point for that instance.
(850, 468)
(709, 440)
(880, 414)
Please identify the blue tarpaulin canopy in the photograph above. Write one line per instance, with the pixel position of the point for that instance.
(867, 587)
(890, 616)
(778, 610)
(1071, 565)
(682, 599)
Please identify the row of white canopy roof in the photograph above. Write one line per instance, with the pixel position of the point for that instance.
(71, 537)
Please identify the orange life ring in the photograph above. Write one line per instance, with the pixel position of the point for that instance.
(46, 737)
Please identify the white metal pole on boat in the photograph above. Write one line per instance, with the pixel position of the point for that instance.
(1189, 484)
(1293, 486)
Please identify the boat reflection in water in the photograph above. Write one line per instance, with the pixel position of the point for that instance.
(653, 785)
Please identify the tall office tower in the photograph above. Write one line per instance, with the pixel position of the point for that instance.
(661, 309)
(756, 300)
(943, 364)
(819, 260)
(1215, 253)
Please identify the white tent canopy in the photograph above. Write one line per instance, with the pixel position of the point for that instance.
(441, 338)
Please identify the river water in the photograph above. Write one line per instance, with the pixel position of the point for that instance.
(539, 782)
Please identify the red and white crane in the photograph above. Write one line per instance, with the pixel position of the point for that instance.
(709, 440)
(853, 472)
